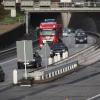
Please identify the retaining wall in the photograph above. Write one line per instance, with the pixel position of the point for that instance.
(12, 35)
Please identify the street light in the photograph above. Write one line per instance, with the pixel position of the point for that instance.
(25, 60)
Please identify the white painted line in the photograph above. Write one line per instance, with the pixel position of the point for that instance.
(98, 95)
(8, 61)
(28, 85)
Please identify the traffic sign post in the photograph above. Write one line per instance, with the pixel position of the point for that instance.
(46, 58)
(45, 52)
(25, 61)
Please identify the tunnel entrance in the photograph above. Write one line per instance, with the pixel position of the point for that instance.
(36, 18)
(87, 21)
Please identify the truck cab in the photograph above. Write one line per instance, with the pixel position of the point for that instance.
(50, 31)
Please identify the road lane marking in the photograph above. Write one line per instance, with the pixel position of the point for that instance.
(7, 61)
(98, 95)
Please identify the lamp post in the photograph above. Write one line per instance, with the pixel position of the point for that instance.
(25, 60)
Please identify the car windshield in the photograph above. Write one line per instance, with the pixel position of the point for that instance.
(80, 34)
(47, 32)
(58, 46)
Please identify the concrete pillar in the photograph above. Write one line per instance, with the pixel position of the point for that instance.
(27, 22)
(66, 18)
(15, 79)
(13, 12)
(18, 1)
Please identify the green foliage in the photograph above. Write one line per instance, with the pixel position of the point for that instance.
(9, 20)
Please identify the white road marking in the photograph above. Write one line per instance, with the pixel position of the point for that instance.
(98, 95)
(8, 61)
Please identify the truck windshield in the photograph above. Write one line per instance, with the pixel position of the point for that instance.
(47, 32)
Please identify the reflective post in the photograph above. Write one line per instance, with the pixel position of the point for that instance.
(15, 80)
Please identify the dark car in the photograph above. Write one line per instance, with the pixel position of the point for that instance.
(35, 63)
(80, 36)
(58, 48)
(2, 75)
(38, 60)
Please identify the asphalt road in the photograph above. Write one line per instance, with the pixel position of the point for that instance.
(77, 86)
(72, 47)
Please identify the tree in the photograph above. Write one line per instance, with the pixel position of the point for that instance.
(2, 11)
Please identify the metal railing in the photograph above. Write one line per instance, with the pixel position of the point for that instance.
(64, 4)
(60, 7)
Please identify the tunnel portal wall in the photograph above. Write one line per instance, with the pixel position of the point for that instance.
(11, 36)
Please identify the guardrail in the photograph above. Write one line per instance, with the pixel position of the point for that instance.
(62, 67)
(30, 3)
(62, 7)
(79, 55)
(51, 73)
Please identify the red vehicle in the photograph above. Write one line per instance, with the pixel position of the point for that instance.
(49, 32)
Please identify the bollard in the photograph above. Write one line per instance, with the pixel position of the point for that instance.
(55, 58)
(58, 56)
(66, 54)
(50, 61)
(15, 80)
(63, 55)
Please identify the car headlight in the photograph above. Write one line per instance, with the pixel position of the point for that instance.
(76, 38)
(33, 59)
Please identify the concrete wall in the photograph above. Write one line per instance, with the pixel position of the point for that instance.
(66, 18)
(11, 36)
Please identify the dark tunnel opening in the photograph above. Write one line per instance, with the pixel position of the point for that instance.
(36, 18)
(85, 20)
